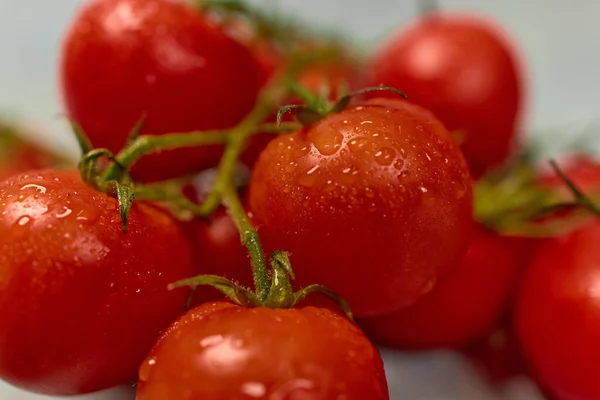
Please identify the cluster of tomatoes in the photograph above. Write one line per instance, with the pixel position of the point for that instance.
(159, 261)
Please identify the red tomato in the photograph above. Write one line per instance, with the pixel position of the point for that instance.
(122, 59)
(463, 308)
(218, 251)
(360, 198)
(463, 69)
(18, 155)
(82, 302)
(223, 351)
(557, 315)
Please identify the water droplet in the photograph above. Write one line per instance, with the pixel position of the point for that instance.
(254, 389)
(138, 291)
(385, 156)
(399, 164)
(287, 188)
(290, 167)
(428, 286)
(65, 212)
(39, 188)
(369, 192)
(310, 177)
(146, 368)
(23, 221)
(423, 189)
(328, 142)
(359, 145)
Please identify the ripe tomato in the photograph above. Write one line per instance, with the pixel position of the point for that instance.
(466, 306)
(557, 315)
(18, 155)
(463, 69)
(359, 199)
(223, 351)
(218, 251)
(122, 59)
(82, 302)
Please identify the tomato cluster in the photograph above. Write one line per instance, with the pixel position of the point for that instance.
(406, 210)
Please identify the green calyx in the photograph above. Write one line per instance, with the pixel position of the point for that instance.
(280, 293)
(317, 107)
(511, 202)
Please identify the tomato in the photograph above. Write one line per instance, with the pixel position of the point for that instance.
(463, 308)
(82, 302)
(18, 155)
(360, 198)
(123, 59)
(465, 70)
(219, 251)
(557, 315)
(223, 351)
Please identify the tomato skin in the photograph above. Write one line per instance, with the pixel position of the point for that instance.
(223, 351)
(218, 251)
(463, 308)
(81, 302)
(557, 315)
(463, 69)
(169, 63)
(359, 204)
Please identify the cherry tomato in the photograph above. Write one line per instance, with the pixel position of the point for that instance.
(124, 59)
(82, 302)
(360, 198)
(463, 308)
(465, 71)
(557, 315)
(223, 351)
(18, 155)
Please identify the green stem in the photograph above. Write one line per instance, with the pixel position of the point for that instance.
(238, 136)
(251, 241)
(147, 144)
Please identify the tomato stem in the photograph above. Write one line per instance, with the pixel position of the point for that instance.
(250, 240)
(147, 144)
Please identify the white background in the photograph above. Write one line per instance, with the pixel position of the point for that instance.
(558, 37)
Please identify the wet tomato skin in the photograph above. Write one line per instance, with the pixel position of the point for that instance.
(464, 69)
(463, 308)
(81, 302)
(360, 198)
(223, 351)
(165, 60)
(557, 315)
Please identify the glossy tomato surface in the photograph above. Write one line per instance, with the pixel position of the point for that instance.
(82, 302)
(465, 70)
(223, 351)
(557, 316)
(165, 60)
(360, 198)
(465, 307)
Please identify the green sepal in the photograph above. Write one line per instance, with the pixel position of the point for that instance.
(232, 291)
